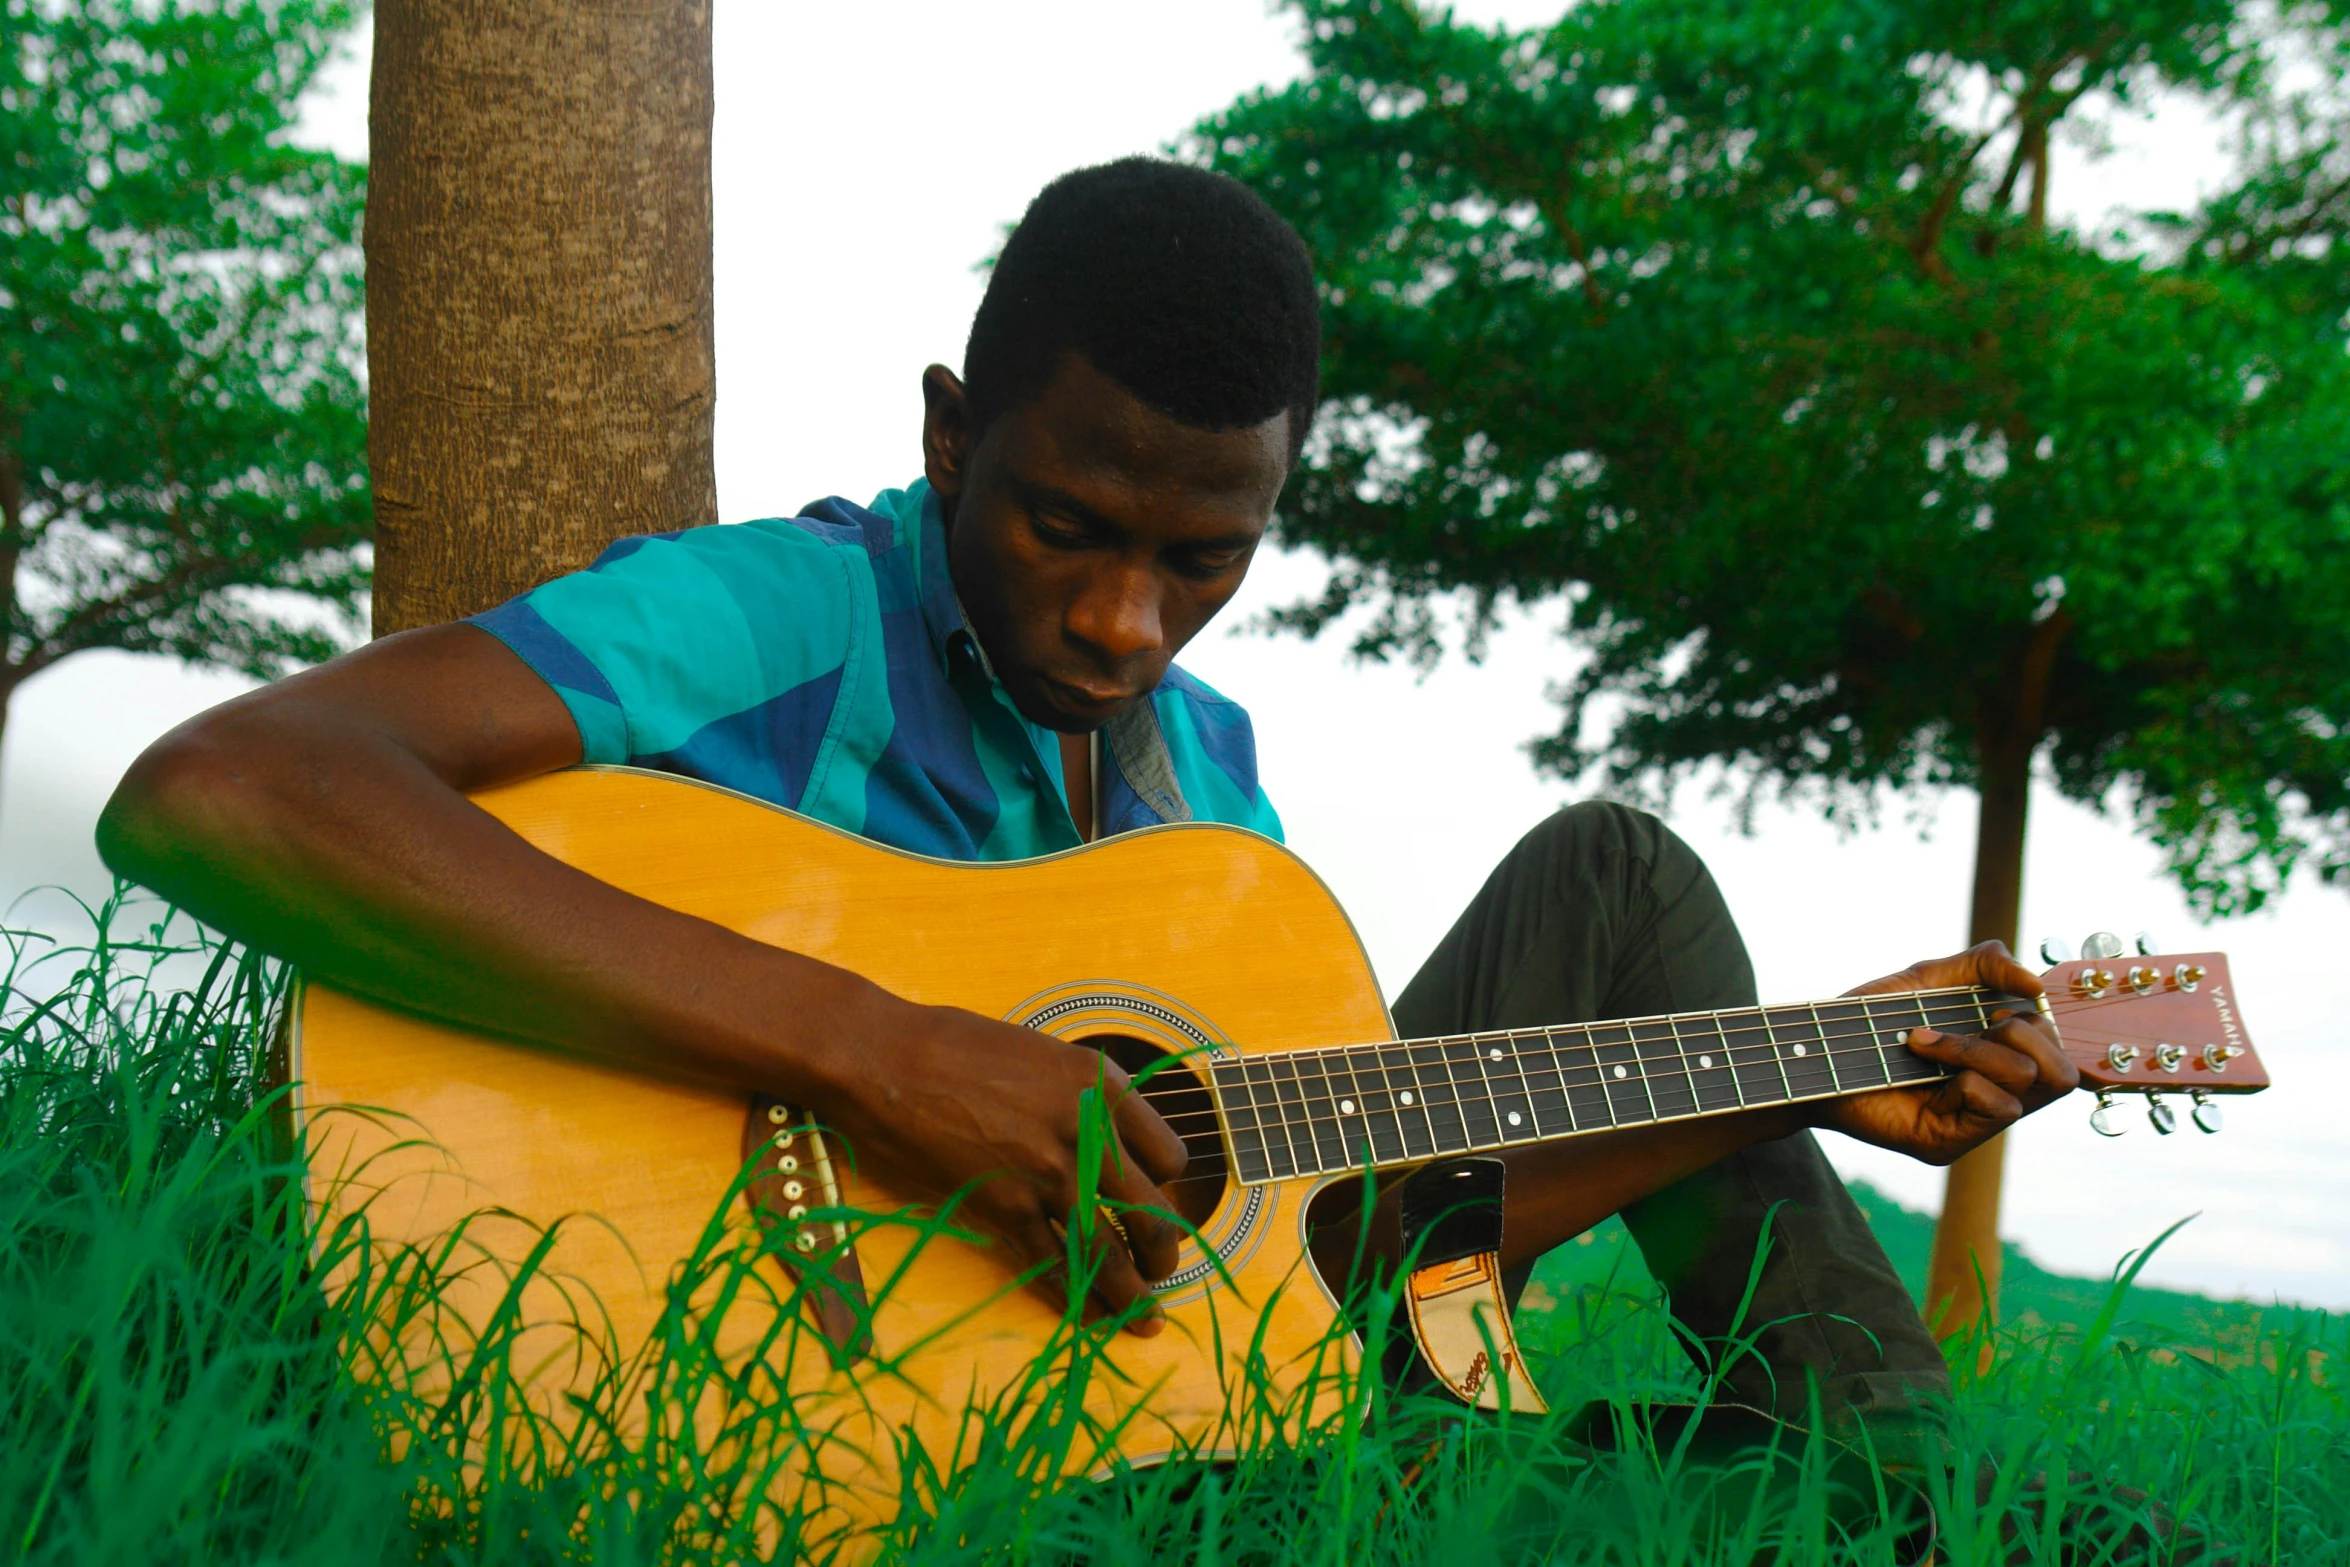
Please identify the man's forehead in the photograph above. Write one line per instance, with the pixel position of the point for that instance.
(1089, 438)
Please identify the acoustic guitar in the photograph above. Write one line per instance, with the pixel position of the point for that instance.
(1212, 952)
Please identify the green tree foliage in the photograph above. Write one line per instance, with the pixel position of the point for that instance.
(1741, 327)
(182, 415)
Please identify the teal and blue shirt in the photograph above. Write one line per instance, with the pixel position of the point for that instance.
(822, 662)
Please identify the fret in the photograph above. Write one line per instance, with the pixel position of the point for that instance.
(1665, 1070)
(1240, 1120)
(1705, 1052)
(1378, 1102)
(1754, 1059)
(1584, 1080)
(1619, 1074)
(1827, 1048)
(1403, 1087)
(1854, 1043)
(1802, 1051)
(1512, 1092)
(1904, 1065)
(1318, 1109)
(1472, 1092)
(1294, 1119)
(1358, 1121)
(1546, 1084)
(1281, 1153)
(1433, 1071)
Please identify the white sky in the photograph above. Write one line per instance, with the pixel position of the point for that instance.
(868, 156)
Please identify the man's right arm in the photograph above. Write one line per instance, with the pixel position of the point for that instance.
(324, 819)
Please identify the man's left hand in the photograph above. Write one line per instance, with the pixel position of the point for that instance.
(2004, 1073)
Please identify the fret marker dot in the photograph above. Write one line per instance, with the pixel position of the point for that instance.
(1516, 1119)
(1493, 1055)
(1405, 1096)
(1801, 1049)
(1705, 1060)
(1620, 1072)
(1346, 1107)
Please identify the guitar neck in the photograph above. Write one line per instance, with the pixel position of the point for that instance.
(1312, 1112)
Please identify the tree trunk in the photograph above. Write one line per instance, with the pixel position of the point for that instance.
(1962, 1280)
(541, 373)
(1966, 1239)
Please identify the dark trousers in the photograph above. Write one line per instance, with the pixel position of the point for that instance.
(1602, 912)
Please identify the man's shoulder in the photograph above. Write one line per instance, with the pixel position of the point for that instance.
(1202, 724)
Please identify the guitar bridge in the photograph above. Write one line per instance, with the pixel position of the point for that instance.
(793, 1174)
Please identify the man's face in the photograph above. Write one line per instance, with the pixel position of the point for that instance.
(1091, 536)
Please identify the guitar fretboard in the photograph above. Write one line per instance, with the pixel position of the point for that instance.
(1310, 1112)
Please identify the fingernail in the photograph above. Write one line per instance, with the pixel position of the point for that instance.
(1150, 1326)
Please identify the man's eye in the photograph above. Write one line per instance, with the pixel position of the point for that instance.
(1054, 531)
(1212, 563)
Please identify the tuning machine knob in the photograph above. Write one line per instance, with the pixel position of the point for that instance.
(2101, 944)
(2207, 1117)
(2165, 1119)
(2055, 950)
(2146, 944)
(2101, 1119)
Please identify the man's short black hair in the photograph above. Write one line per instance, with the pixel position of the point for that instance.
(1180, 285)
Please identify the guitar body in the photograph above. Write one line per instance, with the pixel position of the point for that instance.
(1181, 938)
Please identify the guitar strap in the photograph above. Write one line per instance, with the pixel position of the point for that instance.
(1460, 1313)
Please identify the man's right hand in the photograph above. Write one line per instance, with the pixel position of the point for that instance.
(324, 819)
(947, 1101)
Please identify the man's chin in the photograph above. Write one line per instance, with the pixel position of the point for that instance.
(1063, 709)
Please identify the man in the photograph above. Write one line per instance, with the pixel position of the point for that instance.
(980, 666)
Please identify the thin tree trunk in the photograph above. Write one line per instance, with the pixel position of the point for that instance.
(1962, 1279)
(541, 372)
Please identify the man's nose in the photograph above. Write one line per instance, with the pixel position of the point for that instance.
(1118, 611)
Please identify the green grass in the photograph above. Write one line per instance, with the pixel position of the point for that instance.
(175, 1382)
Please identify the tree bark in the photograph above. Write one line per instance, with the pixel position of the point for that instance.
(539, 353)
(1962, 1279)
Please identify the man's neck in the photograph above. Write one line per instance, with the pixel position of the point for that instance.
(1077, 773)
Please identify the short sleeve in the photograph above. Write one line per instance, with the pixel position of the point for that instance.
(1213, 747)
(690, 644)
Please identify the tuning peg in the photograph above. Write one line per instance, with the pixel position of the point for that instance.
(2101, 944)
(2206, 1111)
(2146, 944)
(2165, 1119)
(2101, 1119)
(2055, 950)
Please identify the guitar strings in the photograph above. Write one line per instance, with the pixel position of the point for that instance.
(1321, 1066)
(1668, 1070)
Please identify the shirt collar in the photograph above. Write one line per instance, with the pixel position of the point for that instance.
(1133, 742)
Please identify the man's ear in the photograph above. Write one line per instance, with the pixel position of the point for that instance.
(946, 434)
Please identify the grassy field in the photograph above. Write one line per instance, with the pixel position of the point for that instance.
(174, 1385)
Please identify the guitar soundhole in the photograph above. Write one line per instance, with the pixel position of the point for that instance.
(1182, 1098)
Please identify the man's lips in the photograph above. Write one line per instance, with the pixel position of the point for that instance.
(1086, 698)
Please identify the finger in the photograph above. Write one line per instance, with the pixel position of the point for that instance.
(1147, 1137)
(1141, 1209)
(1987, 963)
(2029, 1033)
(1975, 1109)
(2013, 1070)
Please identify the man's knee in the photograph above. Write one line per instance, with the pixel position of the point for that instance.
(1590, 836)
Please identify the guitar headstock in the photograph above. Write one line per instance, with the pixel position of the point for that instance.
(2153, 1025)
